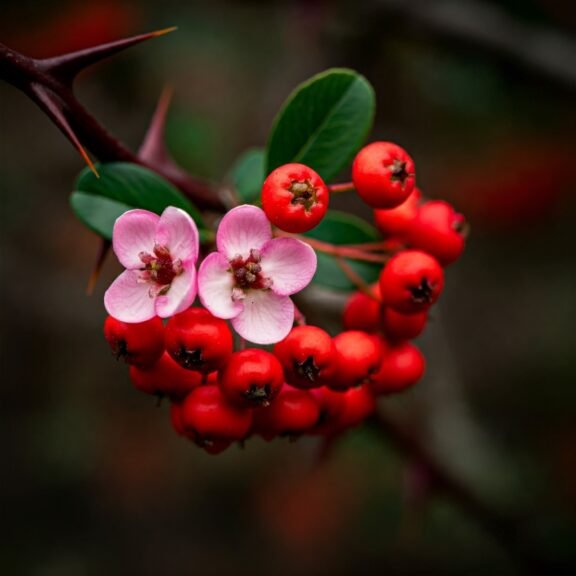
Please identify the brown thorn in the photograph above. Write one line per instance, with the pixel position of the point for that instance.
(153, 149)
(67, 66)
(47, 101)
(105, 246)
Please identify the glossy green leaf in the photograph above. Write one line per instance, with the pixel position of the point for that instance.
(323, 123)
(247, 175)
(341, 228)
(122, 186)
(97, 212)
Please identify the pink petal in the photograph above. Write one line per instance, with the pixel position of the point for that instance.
(133, 233)
(178, 232)
(128, 299)
(266, 318)
(242, 229)
(215, 285)
(180, 295)
(289, 263)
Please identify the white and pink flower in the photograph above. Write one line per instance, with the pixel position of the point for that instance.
(159, 254)
(250, 278)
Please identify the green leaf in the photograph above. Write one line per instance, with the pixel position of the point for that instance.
(97, 202)
(342, 228)
(97, 212)
(247, 175)
(323, 123)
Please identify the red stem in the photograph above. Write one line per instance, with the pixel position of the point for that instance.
(334, 250)
(343, 187)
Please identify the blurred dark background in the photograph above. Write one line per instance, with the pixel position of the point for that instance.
(482, 93)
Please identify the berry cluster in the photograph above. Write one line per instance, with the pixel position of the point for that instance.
(219, 396)
(307, 382)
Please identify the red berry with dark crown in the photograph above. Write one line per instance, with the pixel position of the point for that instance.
(383, 175)
(292, 413)
(358, 357)
(139, 344)
(211, 421)
(361, 312)
(330, 405)
(165, 378)
(397, 222)
(411, 282)
(308, 356)
(199, 341)
(359, 403)
(252, 377)
(398, 327)
(294, 198)
(440, 231)
(402, 366)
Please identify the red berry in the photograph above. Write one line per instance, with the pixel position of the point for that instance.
(411, 282)
(397, 222)
(393, 245)
(359, 403)
(176, 418)
(440, 231)
(330, 405)
(397, 326)
(292, 413)
(138, 344)
(214, 446)
(294, 198)
(358, 356)
(252, 377)
(362, 312)
(402, 366)
(165, 378)
(383, 175)
(197, 340)
(307, 355)
(209, 419)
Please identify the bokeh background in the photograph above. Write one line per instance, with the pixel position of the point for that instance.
(482, 93)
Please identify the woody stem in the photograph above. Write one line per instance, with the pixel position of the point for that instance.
(334, 250)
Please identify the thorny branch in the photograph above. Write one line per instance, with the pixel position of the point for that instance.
(49, 83)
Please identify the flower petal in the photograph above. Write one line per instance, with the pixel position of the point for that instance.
(289, 263)
(128, 298)
(133, 233)
(180, 295)
(178, 232)
(215, 285)
(242, 229)
(266, 318)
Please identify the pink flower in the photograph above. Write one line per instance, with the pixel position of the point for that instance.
(250, 278)
(159, 254)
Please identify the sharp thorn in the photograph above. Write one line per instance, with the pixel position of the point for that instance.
(50, 104)
(67, 66)
(163, 31)
(153, 147)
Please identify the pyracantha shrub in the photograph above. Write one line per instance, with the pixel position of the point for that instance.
(294, 379)
(252, 263)
(203, 311)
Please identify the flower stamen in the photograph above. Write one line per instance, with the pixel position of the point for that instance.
(159, 269)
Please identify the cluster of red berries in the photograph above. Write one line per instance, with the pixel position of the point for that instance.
(295, 199)
(309, 383)
(420, 237)
(306, 385)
